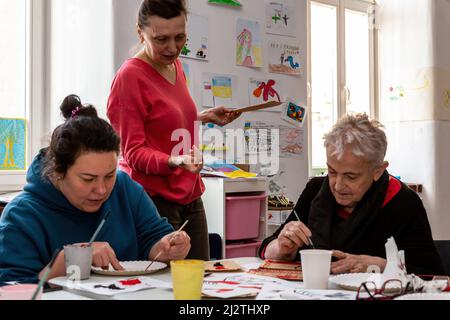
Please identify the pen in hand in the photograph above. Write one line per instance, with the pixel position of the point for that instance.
(309, 245)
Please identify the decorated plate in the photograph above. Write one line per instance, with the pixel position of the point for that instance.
(352, 281)
(132, 268)
(425, 296)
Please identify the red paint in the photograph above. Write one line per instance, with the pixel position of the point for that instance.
(130, 282)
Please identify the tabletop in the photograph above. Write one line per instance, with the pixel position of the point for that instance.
(69, 293)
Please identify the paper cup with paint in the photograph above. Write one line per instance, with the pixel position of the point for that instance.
(78, 260)
(187, 279)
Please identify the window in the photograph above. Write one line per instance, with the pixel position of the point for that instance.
(20, 23)
(341, 67)
(13, 59)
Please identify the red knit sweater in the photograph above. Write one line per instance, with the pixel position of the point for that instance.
(145, 109)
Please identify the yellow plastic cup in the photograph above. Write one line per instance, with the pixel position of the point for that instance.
(187, 279)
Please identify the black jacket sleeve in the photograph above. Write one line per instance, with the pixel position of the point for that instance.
(413, 234)
(302, 208)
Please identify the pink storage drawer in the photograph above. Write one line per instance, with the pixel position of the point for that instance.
(238, 250)
(242, 216)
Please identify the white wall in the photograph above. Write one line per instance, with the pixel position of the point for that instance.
(415, 54)
(222, 22)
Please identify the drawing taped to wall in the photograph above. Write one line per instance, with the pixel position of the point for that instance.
(248, 44)
(196, 46)
(284, 58)
(219, 89)
(258, 136)
(231, 3)
(12, 144)
(294, 114)
(291, 142)
(264, 90)
(279, 18)
(396, 93)
(187, 73)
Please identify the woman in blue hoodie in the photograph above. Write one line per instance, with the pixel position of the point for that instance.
(71, 186)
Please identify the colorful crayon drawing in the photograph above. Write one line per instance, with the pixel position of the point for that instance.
(231, 3)
(279, 19)
(248, 44)
(196, 46)
(294, 114)
(218, 90)
(261, 91)
(396, 93)
(12, 144)
(221, 87)
(292, 63)
(284, 58)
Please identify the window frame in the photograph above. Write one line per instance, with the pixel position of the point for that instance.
(34, 90)
(341, 6)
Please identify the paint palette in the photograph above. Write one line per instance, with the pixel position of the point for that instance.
(132, 268)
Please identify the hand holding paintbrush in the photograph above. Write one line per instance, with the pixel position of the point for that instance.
(295, 235)
(171, 238)
(309, 245)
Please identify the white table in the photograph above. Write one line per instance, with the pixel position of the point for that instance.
(151, 294)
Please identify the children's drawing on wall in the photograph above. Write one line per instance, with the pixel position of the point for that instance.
(280, 18)
(291, 142)
(396, 93)
(196, 46)
(231, 3)
(421, 81)
(258, 136)
(189, 81)
(264, 90)
(284, 58)
(248, 44)
(12, 144)
(294, 114)
(219, 89)
(275, 178)
(213, 142)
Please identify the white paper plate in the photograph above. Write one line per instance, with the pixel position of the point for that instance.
(132, 268)
(425, 296)
(352, 281)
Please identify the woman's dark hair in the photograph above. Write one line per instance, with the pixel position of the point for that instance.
(166, 9)
(83, 131)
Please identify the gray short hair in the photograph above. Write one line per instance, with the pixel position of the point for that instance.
(363, 134)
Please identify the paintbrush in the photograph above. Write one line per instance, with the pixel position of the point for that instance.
(99, 228)
(310, 245)
(44, 278)
(174, 235)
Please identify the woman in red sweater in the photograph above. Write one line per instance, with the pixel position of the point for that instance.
(148, 106)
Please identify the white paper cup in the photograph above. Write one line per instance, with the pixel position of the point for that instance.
(78, 259)
(315, 268)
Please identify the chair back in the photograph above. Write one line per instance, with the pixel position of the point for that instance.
(443, 248)
(215, 246)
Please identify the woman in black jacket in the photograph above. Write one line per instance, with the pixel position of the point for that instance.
(357, 207)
